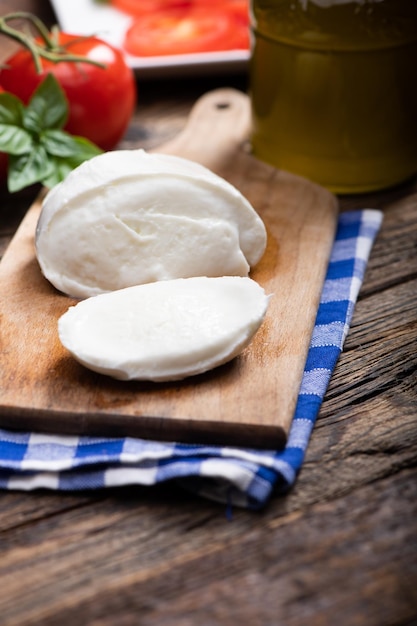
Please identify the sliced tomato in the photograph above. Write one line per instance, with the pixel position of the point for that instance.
(240, 9)
(175, 31)
(139, 7)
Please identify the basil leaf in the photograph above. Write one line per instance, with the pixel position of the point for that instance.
(62, 144)
(62, 166)
(61, 169)
(58, 143)
(15, 140)
(48, 107)
(39, 150)
(11, 110)
(85, 150)
(28, 169)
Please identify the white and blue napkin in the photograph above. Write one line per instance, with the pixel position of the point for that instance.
(237, 476)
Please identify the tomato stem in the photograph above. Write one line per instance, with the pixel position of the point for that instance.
(49, 50)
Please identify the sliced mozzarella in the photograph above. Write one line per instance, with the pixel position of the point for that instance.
(165, 330)
(129, 217)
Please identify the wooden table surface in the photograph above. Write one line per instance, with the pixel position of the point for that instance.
(340, 548)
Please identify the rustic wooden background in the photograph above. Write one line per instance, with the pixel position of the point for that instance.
(340, 548)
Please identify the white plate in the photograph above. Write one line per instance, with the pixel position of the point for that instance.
(85, 17)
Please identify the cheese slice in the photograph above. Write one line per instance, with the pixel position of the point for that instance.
(129, 217)
(165, 330)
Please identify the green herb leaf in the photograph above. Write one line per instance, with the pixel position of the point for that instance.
(85, 150)
(62, 144)
(28, 169)
(11, 109)
(48, 107)
(39, 150)
(13, 138)
(63, 165)
(61, 169)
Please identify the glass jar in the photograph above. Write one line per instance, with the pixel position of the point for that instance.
(334, 90)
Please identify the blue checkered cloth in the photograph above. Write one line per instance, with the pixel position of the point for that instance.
(237, 476)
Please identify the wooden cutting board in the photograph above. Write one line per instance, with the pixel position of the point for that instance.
(249, 401)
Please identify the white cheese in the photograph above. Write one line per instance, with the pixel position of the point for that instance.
(129, 217)
(165, 330)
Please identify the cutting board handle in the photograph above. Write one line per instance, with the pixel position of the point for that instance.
(219, 123)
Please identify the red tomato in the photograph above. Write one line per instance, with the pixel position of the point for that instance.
(175, 31)
(101, 101)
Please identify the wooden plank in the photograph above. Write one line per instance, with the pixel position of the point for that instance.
(133, 561)
(249, 401)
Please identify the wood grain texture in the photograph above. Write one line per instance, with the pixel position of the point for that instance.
(44, 389)
(338, 549)
(347, 558)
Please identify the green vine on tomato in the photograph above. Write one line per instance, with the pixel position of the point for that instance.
(90, 79)
(47, 47)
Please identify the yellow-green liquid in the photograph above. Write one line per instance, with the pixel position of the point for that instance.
(334, 91)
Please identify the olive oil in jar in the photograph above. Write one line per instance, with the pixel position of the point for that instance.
(334, 90)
